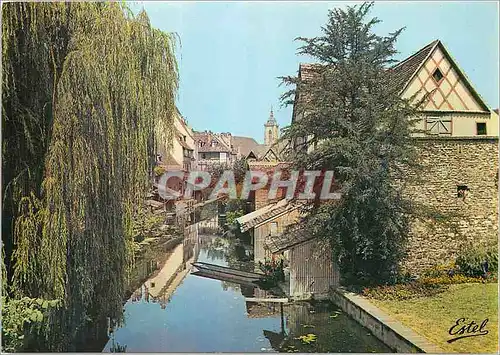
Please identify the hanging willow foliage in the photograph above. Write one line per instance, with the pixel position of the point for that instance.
(87, 89)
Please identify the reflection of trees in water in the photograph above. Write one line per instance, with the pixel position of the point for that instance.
(117, 348)
(332, 330)
(233, 252)
(207, 211)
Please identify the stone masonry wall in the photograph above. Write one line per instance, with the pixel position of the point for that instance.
(447, 163)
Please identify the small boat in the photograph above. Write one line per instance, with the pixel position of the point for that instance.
(226, 273)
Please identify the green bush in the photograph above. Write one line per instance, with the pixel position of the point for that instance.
(403, 291)
(231, 216)
(472, 261)
(433, 281)
(22, 319)
(442, 270)
(448, 280)
(159, 170)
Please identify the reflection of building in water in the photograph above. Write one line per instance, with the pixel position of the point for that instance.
(191, 243)
(262, 310)
(209, 225)
(137, 295)
(160, 287)
(296, 316)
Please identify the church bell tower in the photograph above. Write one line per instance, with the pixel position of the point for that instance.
(271, 131)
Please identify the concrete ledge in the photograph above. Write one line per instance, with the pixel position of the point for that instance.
(394, 334)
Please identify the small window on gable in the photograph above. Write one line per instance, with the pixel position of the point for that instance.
(481, 128)
(437, 75)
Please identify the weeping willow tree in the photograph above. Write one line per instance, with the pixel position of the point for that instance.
(88, 89)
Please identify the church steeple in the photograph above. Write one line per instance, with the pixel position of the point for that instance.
(271, 121)
(271, 130)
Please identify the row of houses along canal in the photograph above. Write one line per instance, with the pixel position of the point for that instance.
(187, 304)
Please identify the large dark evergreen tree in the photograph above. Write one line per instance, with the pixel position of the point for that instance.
(348, 110)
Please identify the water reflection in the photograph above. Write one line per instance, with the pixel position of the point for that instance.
(196, 314)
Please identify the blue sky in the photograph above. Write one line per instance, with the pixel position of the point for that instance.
(231, 53)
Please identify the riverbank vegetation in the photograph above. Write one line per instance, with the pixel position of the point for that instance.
(472, 265)
(87, 90)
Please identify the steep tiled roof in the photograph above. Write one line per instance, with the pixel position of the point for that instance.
(263, 214)
(404, 70)
(401, 72)
(183, 143)
(207, 138)
(246, 144)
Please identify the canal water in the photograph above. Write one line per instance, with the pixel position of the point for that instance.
(206, 315)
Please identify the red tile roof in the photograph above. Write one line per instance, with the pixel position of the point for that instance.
(207, 138)
(401, 72)
(404, 70)
(246, 144)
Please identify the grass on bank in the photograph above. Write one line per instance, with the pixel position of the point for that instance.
(432, 317)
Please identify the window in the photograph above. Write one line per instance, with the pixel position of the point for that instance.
(202, 143)
(203, 156)
(273, 227)
(481, 128)
(437, 75)
(187, 153)
(462, 191)
(439, 126)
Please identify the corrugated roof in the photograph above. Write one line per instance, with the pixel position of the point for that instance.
(285, 241)
(264, 214)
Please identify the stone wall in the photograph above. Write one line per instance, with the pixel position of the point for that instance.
(448, 163)
(395, 335)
